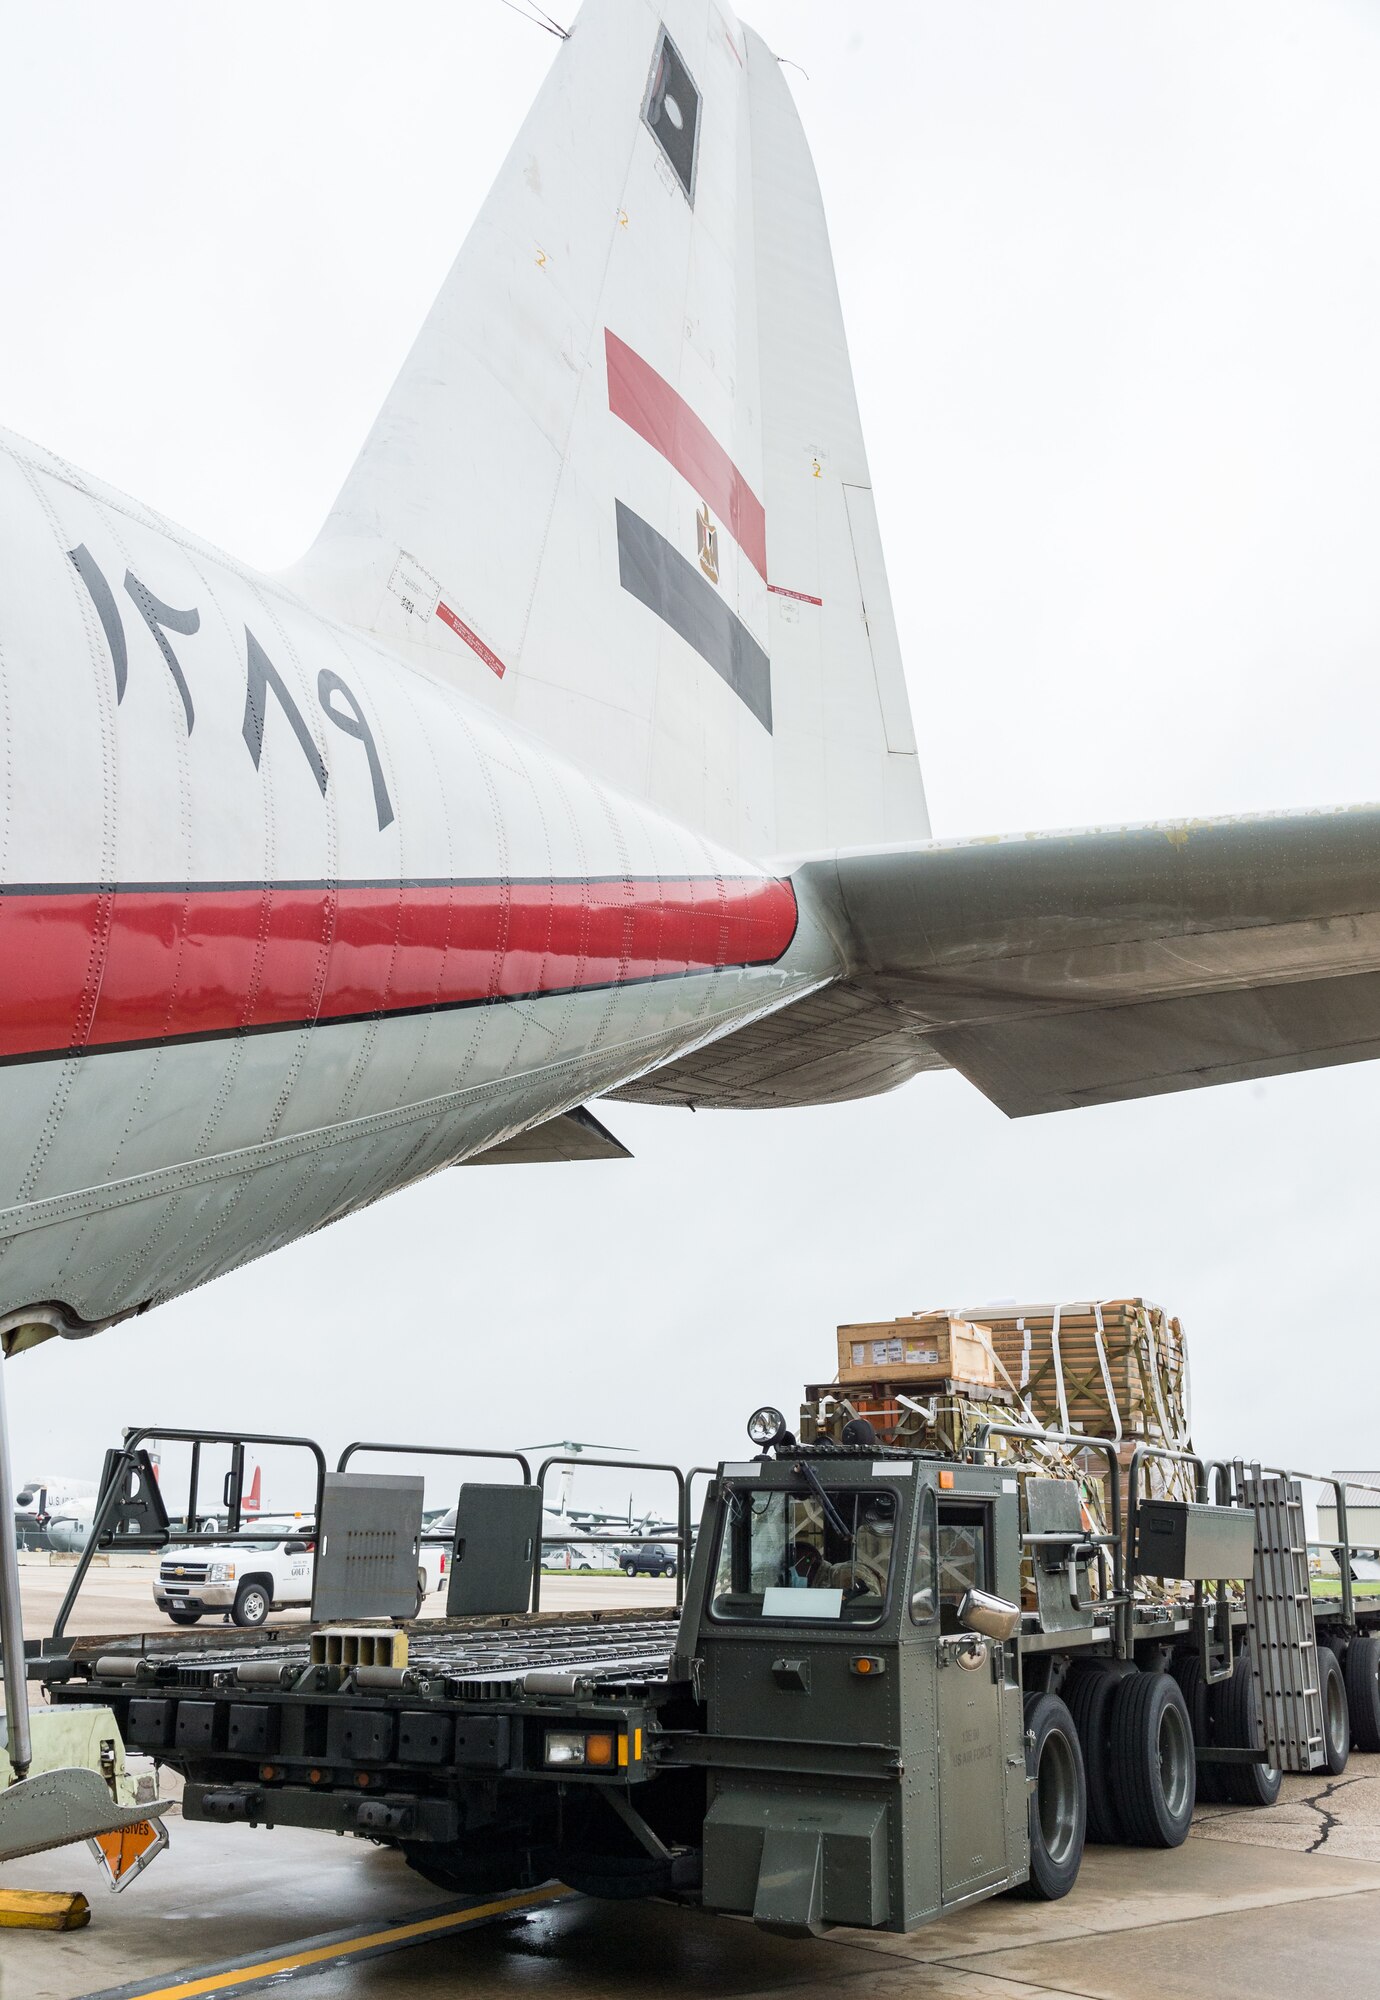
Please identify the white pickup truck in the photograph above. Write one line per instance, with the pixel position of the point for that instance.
(244, 1581)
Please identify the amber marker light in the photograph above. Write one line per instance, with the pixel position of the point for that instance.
(599, 1750)
(867, 1664)
(946, 1480)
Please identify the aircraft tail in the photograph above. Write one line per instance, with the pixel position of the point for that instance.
(252, 1503)
(619, 489)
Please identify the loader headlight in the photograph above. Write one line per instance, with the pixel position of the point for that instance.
(575, 1747)
(766, 1425)
(220, 1572)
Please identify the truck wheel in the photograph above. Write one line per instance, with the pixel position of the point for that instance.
(1058, 1800)
(1088, 1694)
(1362, 1676)
(1187, 1669)
(1336, 1721)
(1152, 1761)
(1236, 1726)
(630, 1569)
(252, 1603)
(184, 1617)
(421, 1594)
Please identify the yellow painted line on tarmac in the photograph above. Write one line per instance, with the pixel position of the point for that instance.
(338, 1948)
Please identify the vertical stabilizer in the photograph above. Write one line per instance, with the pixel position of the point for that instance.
(619, 489)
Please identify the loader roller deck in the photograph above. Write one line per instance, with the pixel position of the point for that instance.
(599, 1650)
(605, 1650)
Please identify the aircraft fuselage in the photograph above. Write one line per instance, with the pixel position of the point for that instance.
(287, 923)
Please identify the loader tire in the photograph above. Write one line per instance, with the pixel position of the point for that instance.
(1153, 1772)
(1088, 1693)
(1058, 1799)
(1336, 1720)
(1362, 1675)
(1236, 1725)
(1187, 1669)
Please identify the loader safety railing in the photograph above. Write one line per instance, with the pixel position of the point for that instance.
(1342, 1549)
(1211, 1617)
(681, 1537)
(124, 1469)
(1118, 1598)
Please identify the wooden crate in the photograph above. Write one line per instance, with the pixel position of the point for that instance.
(1115, 1369)
(919, 1348)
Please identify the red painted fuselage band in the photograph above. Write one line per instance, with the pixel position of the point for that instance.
(84, 969)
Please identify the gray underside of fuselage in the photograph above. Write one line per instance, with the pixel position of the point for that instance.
(271, 1136)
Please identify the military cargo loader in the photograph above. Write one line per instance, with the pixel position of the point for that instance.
(894, 1682)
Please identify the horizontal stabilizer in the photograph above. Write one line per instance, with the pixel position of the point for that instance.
(1062, 969)
(1066, 969)
(575, 1135)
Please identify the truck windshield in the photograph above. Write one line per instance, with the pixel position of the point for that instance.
(784, 1555)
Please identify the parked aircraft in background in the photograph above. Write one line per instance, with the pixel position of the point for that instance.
(70, 1523)
(39, 1501)
(574, 759)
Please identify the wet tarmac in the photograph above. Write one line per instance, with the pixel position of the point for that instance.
(1272, 1904)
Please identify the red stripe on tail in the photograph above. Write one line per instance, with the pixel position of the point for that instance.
(647, 402)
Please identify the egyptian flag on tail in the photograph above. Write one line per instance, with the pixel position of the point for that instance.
(707, 580)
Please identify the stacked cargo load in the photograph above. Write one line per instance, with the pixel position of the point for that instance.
(1105, 1368)
(1112, 1368)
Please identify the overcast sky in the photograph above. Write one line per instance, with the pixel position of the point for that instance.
(1112, 280)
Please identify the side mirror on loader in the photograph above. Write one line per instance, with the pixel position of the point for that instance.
(993, 1617)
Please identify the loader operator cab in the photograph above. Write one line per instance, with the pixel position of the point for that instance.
(836, 1544)
(832, 1616)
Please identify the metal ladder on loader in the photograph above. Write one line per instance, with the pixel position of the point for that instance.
(1281, 1634)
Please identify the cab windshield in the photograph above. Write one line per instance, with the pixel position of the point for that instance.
(822, 1553)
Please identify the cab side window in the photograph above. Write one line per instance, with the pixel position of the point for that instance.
(924, 1582)
(964, 1558)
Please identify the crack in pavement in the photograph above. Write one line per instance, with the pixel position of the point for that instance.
(1315, 1802)
(1312, 1801)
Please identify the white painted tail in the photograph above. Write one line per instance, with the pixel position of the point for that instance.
(619, 489)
